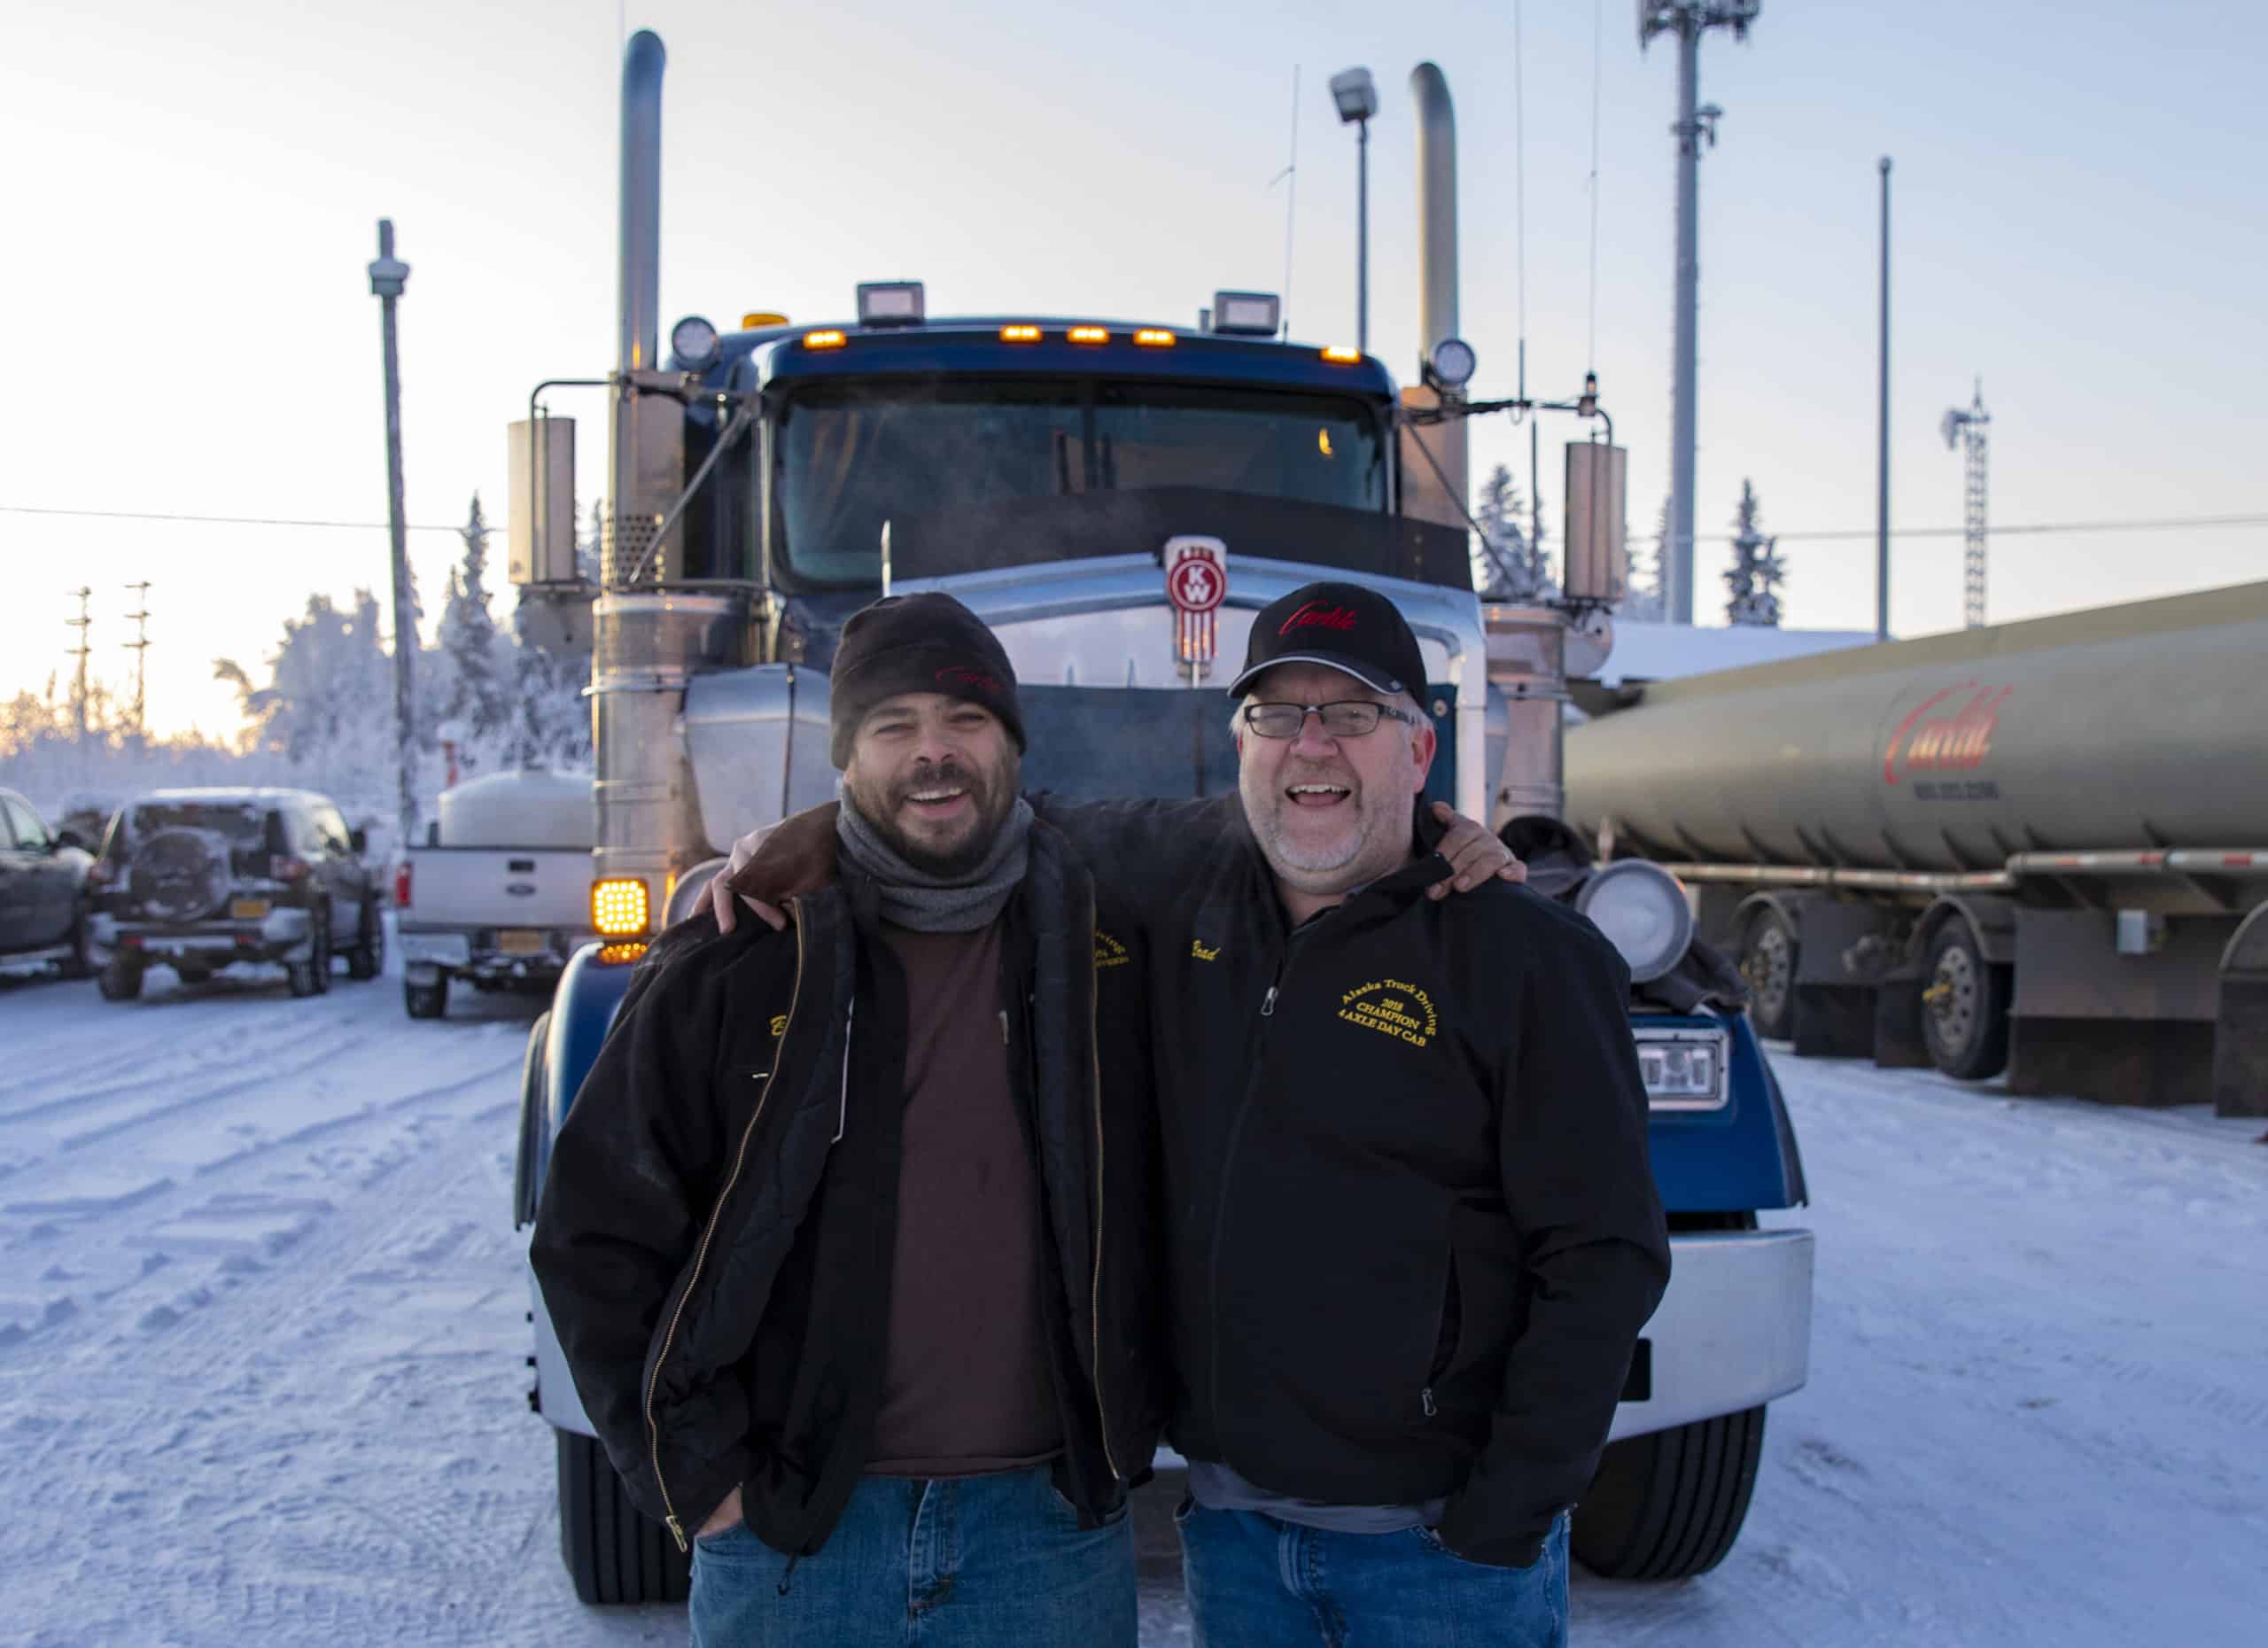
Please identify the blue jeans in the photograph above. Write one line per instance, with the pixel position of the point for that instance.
(1257, 1582)
(973, 1562)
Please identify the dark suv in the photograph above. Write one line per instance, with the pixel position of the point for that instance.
(201, 878)
(43, 892)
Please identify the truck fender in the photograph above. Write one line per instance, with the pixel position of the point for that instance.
(1991, 917)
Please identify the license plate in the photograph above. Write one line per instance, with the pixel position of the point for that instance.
(247, 909)
(520, 941)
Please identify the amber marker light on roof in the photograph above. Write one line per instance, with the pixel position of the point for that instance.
(1088, 335)
(1020, 334)
(1153, 338)
(1342, 355)
(823, 341)
(755, 318)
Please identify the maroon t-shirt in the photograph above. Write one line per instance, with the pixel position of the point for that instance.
(966, 1390)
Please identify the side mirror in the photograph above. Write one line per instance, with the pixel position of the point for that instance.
(358, 840)
(70, 838)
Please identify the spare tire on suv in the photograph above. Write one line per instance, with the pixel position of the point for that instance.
(179, 874)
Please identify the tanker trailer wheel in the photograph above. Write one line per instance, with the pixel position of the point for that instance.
(1965, 1006)
(613, 1552)
(1670, 1504)
(1767, 961)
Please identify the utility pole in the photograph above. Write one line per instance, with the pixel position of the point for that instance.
(84, 625)
(140, 647)
(1689, 19)
(1967, 428)
(388, 276)
(1882, 432)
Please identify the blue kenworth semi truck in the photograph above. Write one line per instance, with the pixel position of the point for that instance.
(768, 482)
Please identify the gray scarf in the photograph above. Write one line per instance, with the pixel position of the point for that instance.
(923, 900)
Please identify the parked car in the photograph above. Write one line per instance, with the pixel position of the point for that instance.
(43, 892)
(202, 879)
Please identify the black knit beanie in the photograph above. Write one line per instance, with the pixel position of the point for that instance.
(928, 642)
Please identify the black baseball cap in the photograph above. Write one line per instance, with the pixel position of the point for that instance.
(1345, 627)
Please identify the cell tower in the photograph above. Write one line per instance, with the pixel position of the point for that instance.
(1967, 429)
(140, 647)
(1689, 19)
(84, 625)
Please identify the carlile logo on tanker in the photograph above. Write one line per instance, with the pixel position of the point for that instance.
(1931, 742)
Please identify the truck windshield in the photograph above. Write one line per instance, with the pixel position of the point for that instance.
(854, 456)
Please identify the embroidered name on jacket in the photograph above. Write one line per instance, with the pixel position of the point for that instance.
(1108, 951)
(1392, 1008)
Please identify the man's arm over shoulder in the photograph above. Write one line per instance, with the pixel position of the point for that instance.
(1588, 1223)
(632, 1176)
(1149, 852)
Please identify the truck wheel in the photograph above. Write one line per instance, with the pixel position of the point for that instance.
(613, 1552)
(367, 958)
(532, 1071)
(1965, 1006)
(312, 976)
(121, 981)
(1768, 961)
(427, 1001)
(1669, 1505)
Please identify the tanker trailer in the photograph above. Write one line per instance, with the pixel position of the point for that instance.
(2039, 847)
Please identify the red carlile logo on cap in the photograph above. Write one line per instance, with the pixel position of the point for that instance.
(960, 675)
(1315, 615)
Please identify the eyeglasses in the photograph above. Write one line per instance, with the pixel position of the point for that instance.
(1349, 718)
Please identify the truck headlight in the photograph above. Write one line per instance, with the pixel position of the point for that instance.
(1641, 907)
(1683, 1069)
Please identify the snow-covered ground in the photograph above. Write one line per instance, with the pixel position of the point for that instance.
(261, 1381)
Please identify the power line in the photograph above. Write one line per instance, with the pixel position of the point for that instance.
(213, 520)
(2174, 523)
(2169, 524)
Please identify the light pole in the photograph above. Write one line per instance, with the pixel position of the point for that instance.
(1688, 21)
(1358, 97)
(389, 274)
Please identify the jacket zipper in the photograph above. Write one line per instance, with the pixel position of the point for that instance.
(709, 1231)
(1094, 1301)
(1228, 1166)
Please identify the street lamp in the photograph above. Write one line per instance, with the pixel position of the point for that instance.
(1358, 98)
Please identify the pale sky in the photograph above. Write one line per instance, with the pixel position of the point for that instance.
(192, 191)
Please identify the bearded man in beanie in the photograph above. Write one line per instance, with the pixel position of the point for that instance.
(848, 1254)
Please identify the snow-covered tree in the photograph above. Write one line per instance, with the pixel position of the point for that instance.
(1755, 575)
(1641, 597)
(1507, 566)
(475, 685)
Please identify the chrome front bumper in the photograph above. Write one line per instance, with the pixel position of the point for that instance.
(1732, 1332)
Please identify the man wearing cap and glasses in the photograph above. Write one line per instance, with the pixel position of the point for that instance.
(1413, 1229)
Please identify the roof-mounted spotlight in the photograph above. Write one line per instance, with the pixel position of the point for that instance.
(1247, 314)
(1451, 365)
(891, 303)
(693, 340)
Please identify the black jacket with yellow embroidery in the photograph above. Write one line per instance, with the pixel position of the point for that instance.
(714, 1237)
(1413, 1226)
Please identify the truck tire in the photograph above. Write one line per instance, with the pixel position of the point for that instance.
(312, 976)
(525, 1189)
(426, 1001)
(1965, 1005)
(613, 1551)
(120, 981)
(1768, 954)
(367, 958)
(1669, 1505)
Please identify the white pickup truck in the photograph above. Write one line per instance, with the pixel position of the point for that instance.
(501, 894)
